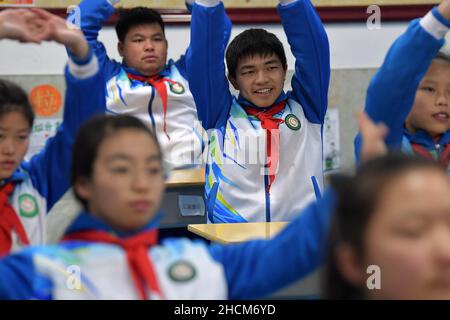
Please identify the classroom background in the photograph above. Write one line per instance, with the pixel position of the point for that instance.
(356, 53)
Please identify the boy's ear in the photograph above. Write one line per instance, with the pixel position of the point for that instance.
(82, 187)
(120, 48)
(233, 82)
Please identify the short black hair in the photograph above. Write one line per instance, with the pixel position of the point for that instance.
(129, 18)
(253, 42)
(92, 134)
(357, 199)
(14, 99)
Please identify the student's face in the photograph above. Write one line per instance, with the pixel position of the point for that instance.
(127, 182)
(260, 79)
(145, 49)
(14, 140)
(431, 110)
(408, 237)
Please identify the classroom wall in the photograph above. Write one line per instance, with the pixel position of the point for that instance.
(352, 45)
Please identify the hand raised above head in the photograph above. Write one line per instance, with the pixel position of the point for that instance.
(444, 9)
(373, 136)
(23, 25)
(64, 32)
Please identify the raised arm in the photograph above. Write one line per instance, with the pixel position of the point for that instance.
(181, 63)
(255, 269)
(90, 16)
(392, 91)
(309, 45)
(23, 25)
(19, 277)
(85, 97)
(205, 63)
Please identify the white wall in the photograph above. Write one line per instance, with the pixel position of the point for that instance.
(352, 46)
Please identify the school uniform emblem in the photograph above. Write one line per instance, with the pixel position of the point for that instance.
(176, 88)
(182, 271)
(292, 122)
(28, 206)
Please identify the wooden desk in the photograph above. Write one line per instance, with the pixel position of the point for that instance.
(237, 232)
(226, 233)
(186, 178)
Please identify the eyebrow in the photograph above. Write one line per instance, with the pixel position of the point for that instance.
(251, 66)
(429, 80)
(125, 157)
(18, 130)
(158, 34)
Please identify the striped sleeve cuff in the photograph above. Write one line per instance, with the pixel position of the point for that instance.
(85, 70)
(208, 3)
(287, 2)
(435, 24)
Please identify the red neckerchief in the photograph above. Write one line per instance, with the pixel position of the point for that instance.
(9, 221)
(136, 248)
(444, 156)
(159, 83)
(269, 123)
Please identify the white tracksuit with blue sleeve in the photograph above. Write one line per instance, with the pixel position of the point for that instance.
(40, 182)
(236, 187)
(391, 104)
(183, 140)
(247, 270)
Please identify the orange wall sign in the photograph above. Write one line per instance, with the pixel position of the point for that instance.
(16, 2)
(46, 100)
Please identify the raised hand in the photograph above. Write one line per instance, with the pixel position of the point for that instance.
(444, 9)
(372, 135)
(23, 25)
(64, 32)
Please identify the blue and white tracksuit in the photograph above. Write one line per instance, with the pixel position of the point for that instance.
(246, 270)
(183, 140)
(40, 182)
(236, 187)
(392, 91)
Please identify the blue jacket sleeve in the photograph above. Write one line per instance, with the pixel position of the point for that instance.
(17, 274)
(255, 269)
(206, 67)
(50, 169)
(90, 15)
(392, 90)
(309, 45)
(181, 63)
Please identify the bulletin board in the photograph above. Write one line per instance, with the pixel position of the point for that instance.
(260, 11)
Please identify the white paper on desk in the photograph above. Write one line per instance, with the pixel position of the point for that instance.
(191, 205)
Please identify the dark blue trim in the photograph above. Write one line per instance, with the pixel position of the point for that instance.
(316, 188)
(266, 184)
(82, 61)
(440, 17)
(212, 201)
(86, 221)
(150, 105)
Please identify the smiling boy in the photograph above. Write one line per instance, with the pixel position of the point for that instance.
(265, 146)
(417, 108)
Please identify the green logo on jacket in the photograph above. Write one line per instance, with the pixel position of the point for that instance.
(28, 206)
(292, 122)
(176, 88)
(182, 271)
